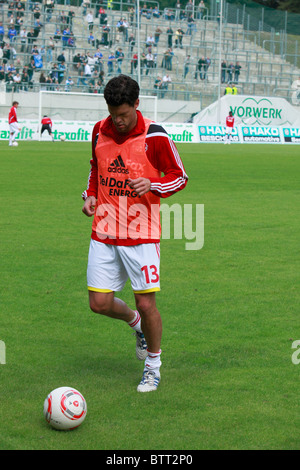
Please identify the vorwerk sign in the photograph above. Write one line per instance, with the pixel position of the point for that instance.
(261, 111)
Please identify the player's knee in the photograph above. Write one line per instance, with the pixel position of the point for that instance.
(100, 304)
(145, 304)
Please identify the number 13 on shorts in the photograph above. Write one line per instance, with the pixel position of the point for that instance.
(151, 274)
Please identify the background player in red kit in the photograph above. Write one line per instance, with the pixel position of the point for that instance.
(14, 127)
(229, 128)
(129, 153)
(47, 126)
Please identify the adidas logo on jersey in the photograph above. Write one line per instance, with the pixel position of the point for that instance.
(118, 166)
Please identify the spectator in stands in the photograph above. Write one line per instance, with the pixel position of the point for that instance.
(186, 66)
(105, 35)
(54, 73)
(223, 71)
(150, 41)
(30, 40)
(189, 8)
(143, 62)
(158, 85)
(76, 61)
(37, 28)
(42, 81)
(49, 49)
(131, 41)
(99, 60)
(157, 34)
(71, 40)
(11, 10)
(206, 67)
(85, 5)
(50, 85)
(57, 35)
(156, 13)
(36, 11)
(2, 31)
(178, 38)
(149, 13)
(17, 81)
(23, 39)
(91, 60)
(65, 37)
(9, 82)
(110, 63)
(150, 62)
(100, 81)
(165, 84)
(48, 8)
(200, 10)
(20, 9)
(61, 57)
(12, 34)
(38, 60)
(169, 16)
(63, 20)
(69, 83)
(71, 15)
(119, 54)
(102, 16)
(191, 25)
(90, 20)
(143, 10)
(81, 79)
(18, 24)
(237, 71)
(170, 33)
(24, 81)
(61, 72)
(87, 70)
(177, 10)
(31, 69)
(133, 63)
(2, 73)
(230, 72)
(91, 39)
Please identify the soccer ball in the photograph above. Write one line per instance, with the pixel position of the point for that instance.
(65, 408)
(62, 137)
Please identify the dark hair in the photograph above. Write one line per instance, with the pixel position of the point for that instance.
(121, 89)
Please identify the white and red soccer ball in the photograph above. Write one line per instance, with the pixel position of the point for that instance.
(65, 408)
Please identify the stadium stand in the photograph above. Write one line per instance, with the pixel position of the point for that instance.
(57, 46)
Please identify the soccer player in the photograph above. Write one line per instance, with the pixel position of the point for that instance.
(129, 153)
(14, 127)
(229, 128)
(47, 126)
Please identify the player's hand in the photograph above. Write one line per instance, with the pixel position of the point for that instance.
(89, 206)
(140, 185)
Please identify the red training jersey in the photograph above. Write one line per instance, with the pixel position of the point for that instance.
(12, 116)
(158, 154)
(229, 121)
(46, 120)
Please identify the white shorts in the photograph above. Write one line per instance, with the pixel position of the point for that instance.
(110, 266)
(14, 127)
(229, 130)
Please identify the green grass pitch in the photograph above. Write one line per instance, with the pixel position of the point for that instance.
(230, 310)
